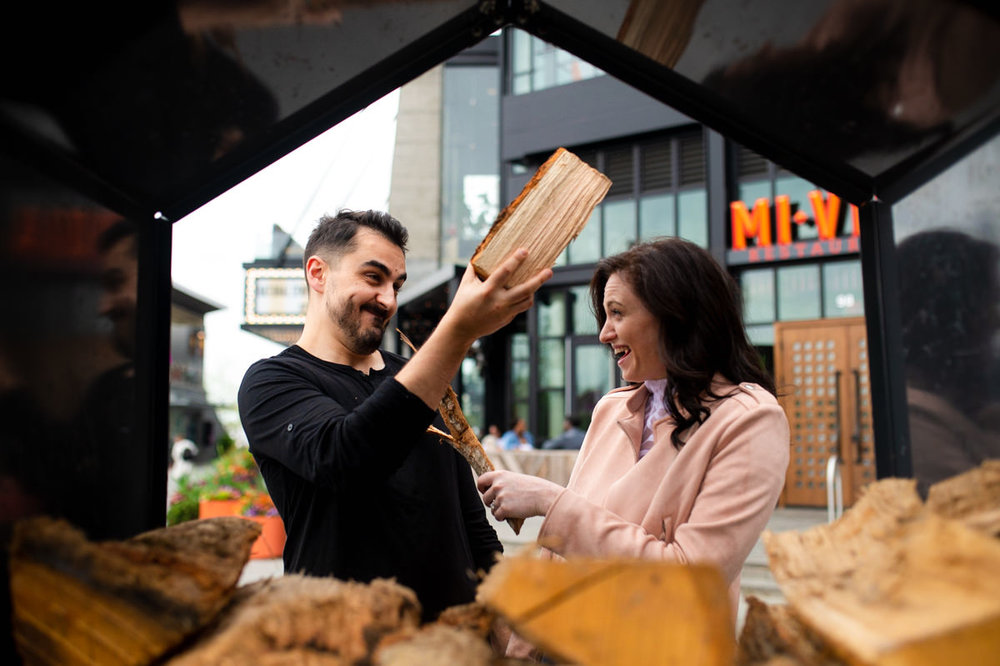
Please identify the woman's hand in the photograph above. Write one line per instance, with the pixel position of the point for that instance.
(512, 495)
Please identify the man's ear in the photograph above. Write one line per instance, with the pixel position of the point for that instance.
(316, 272)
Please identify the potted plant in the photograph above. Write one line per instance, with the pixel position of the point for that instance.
(257, 505)
(232, 486)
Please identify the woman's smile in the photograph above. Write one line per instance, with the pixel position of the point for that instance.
(632, 332)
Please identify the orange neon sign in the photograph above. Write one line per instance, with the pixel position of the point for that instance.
(756, 223)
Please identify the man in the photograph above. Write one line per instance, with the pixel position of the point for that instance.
(570, 438)
(110, 461)
(517, 438)
(338, 427)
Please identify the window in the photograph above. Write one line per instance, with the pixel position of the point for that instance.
(536, 65)
(520, 375)
(584, 322)
(757, 287)
(798, 292)
(829, 290)
(619, 226)
(673, 200)
(658, 189)
(470, 155)
(843, 295)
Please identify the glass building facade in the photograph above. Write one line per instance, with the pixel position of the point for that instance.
(793, 249)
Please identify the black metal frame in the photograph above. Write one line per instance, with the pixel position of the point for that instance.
(872, 195)
(686, 96)
(463, 31)
(879, 276)
(466, 29)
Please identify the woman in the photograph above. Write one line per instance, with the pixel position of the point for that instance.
(687, 462)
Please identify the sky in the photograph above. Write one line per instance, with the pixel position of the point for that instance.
(349, 166)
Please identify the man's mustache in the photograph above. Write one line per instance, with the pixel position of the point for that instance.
(376, 310)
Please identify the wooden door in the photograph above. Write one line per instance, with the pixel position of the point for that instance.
(821, 372)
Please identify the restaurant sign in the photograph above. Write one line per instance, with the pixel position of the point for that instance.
(769, 228)
(275, 296)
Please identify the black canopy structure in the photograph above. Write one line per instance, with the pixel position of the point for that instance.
(146, 111)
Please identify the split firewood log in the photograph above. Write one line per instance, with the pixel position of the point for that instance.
(436, 644)
(892, 582)
(120, 602)
(551, 210)
(473, 616)
(297, 619)
(972, 498)
(621, 611)
(772, 635)
(461, 436)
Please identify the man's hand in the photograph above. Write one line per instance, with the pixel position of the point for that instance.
(479, 308)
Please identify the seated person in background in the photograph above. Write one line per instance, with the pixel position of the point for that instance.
(687, 462)
(570, 438)
(491, 440)
(517, 438)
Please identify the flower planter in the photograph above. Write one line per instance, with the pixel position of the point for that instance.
(271, 541)
(216, 508)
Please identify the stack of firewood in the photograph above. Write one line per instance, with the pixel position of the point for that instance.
(170, 596)
(895, 581)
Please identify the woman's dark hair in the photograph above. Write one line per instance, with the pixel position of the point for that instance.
(701, 322)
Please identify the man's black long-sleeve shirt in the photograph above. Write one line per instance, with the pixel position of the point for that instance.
(363, 491)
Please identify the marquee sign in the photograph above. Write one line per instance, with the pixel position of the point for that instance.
(756, 225)
(275, 296)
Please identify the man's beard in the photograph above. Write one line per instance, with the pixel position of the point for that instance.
(349, 320)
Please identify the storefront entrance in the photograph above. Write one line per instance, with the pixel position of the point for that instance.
(821, 372)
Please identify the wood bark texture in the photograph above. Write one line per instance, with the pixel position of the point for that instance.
(120, 602)
(170, 597)
(659, 30)
(895, 581)
(546, 216)
(461, 436)
(296, 619)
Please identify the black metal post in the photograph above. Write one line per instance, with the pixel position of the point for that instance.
(153, 364)
(888, 390)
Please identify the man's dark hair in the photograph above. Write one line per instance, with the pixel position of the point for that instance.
(335, 235)
(701, 322)
(117, 232)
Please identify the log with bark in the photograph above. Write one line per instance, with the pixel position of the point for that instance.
(617, 611)
(972, 498)
(120, 602)
(297, 619)
(659, 30)
(461, 436)
(897, 581)
(170, 596)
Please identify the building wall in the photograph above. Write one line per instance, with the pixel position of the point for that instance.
(415, 193)
(600, 115)
(542, 121)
